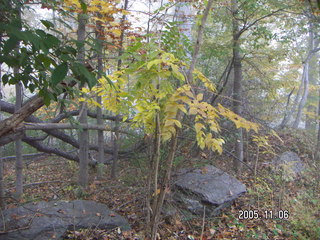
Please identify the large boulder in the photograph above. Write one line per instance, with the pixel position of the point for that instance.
(207, 187)
(51, 220)
(289, 164)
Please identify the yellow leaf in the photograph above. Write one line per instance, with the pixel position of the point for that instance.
(116, 32)
(182, 108)
(200, 97)
(176, 72)
(193, 111)
(124, 118)
(140, 108)
(172, 130)
(95, 103)
(177, 123)
(153, 62)
(274, 133)
(189, 94)
(156, 193)
(85, 90)
(202, 145)
(198, 126)
(184, 99)
(166, 136)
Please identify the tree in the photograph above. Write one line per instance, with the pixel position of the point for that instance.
(83, 115)
(158, 97)
(312, 49)
(237, 84)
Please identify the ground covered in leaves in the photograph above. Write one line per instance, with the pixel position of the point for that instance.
(52, 178)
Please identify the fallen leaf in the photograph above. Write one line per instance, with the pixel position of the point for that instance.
(204, 170)
(212, 231)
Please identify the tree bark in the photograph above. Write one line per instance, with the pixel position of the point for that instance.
(100, 136)
(288, 113)
(164, 186)
(9, 124)
(237, 85)
(317, 151)
(116, 143)
(52, 126)
(305, 80)
(116, 139)
(18, 145)
(2, 187)
(18, 142)
(83, 115)
(311, 123)
(46, 149)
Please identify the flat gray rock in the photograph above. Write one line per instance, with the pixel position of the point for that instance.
(51, 220)
(207, 186)
(290, 164)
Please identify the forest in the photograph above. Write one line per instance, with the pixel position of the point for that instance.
(160, 119)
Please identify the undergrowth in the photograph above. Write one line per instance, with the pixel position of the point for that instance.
(266, 191)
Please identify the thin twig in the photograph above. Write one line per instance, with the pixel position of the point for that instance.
(21, 228)
(203, 222)
(38, 183)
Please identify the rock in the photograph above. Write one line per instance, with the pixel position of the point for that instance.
(51, 220)
(207, 186)
(290, 164)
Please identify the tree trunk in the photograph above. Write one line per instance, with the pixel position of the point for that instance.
(9, 124)
(18, 145)
(83, 116)
(18, 142)
(115, 149)
(288, 113)
(237, 86)
(317, 151)
(183, 14)
(84, 148)
(2, 200)
(99, 100)
(303, 100)
(305, 80)
(116, 139)
(164, 187)
(311, 123)
(2, 186)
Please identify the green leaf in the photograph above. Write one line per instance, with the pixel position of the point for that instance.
(89, 77)
(51, 41)
(32, 87)
(46, 61)
(41, 33)
(59, 73)
(46, 96)
(5, 79)
(34, 39)
(83, 6)
(10, 44)
(47, 24)
(110, 82)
